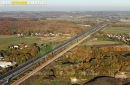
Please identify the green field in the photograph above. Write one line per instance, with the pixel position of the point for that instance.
(100, 42)
(6, 41)
(116, 30)
(122, 22)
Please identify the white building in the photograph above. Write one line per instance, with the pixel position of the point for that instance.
(73, 80)
(16, 46)
(4, 64)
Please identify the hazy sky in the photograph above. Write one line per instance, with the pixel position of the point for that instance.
(71, 5)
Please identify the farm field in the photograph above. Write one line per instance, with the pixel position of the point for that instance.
(100, 42)
(125, 21)
(6, 40)
(122, 22)
(116, 30)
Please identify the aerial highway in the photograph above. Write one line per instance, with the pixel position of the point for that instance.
(15, 72)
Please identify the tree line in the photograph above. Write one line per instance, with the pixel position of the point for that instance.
(27, 27)
(118, 25)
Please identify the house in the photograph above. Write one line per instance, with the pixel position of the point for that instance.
(51, 34)
(26, 46)
(11, 47)
(22, 46)
(37, 34)
(68, 35)
(16, 46)
(19, 46)
(20, 35)
(87, 25)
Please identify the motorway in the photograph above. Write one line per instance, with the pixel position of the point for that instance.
(6, 77)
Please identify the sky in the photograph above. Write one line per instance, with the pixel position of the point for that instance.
(69, 5)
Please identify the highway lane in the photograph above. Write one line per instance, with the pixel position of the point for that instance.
(48, 62)
(27, 65)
